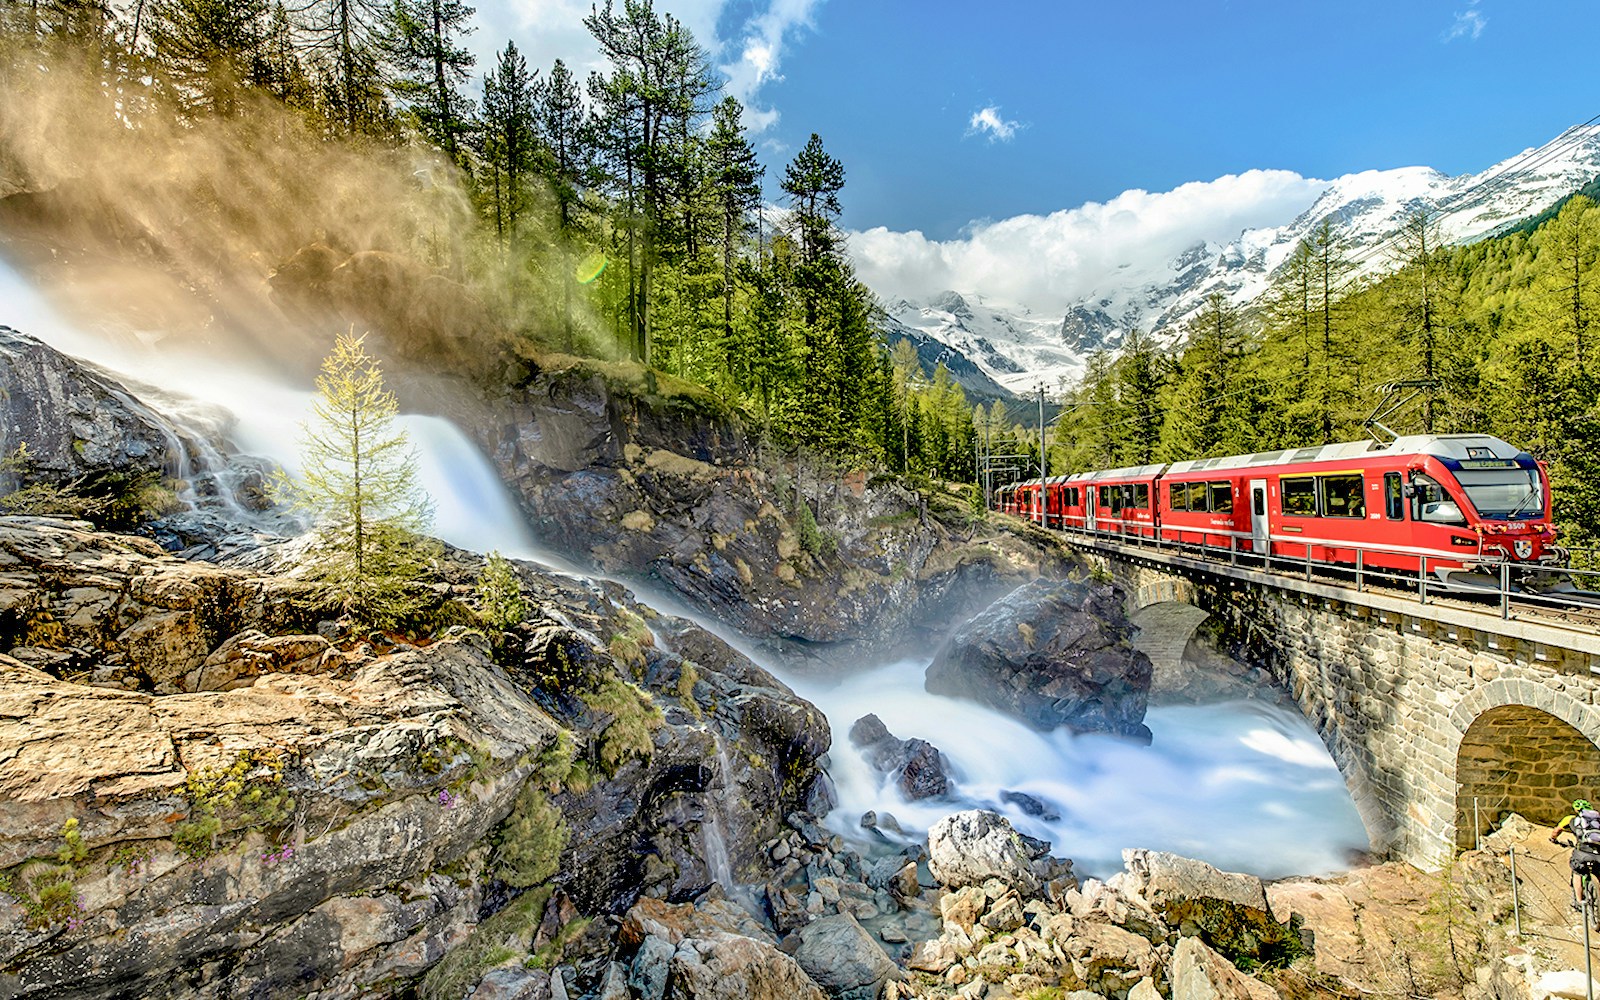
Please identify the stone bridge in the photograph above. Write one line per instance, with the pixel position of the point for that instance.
(1442, 717)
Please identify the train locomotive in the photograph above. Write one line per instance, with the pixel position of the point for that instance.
(1460, 507)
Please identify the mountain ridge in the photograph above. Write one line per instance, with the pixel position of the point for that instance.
(1019, 349)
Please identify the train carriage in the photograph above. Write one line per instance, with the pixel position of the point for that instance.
(1121, 501)
(1454, 505)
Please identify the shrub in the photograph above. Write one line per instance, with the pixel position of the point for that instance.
(247, 793)
(531, 840)
(634, 718)
(500, 599)
(628, 645)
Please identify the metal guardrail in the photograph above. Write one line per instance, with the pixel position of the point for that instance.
(1570, 595)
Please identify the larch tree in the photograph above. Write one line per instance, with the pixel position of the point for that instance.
(507, 132)
(210, 49)
(359, 482)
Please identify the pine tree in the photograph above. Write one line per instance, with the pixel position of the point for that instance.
(1416, 249)
(813, 182)
(340, 41)
(358, 480)
(507, 133)
(735, 178)
(422, 41)
(211, 49)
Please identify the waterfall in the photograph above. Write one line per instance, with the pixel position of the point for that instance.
(204, 399)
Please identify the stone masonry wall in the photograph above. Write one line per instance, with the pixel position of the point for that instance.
(1420, 717)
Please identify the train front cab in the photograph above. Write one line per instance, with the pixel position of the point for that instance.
(1463, 503)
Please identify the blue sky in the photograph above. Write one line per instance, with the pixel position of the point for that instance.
(954, 117)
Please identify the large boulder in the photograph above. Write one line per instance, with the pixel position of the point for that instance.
(971, 847)
(732, 967)
(838, 953)
(1228, 910)
(917, 766)
(1051, 653)
(1198, 973)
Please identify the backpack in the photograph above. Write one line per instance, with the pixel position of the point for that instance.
(1586, 827)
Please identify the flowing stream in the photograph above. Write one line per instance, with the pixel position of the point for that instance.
(1245, 785)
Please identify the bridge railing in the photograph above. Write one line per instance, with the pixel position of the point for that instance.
(1564, 597)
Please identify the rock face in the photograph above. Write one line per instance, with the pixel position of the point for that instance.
(647, 476)
(969, 848)
(917, 766)
(77, 420)
(1052, 654)
(248, 807)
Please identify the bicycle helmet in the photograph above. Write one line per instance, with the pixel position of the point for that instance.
(1579, 805)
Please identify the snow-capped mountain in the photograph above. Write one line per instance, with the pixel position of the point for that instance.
(1021, 349)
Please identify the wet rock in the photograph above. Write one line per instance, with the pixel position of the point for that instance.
(841, 956)
(514, 984)
(1052, 654)
(919, 769)
(1030, 805)
(968, 848)
(1229, 910)
(647, 976)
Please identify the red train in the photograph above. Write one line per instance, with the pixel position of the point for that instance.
(1452, 503)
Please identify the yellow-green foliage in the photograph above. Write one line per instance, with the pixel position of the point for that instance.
(500, 600)
(629, 644)
(560, 768)
(464, 965)
(1026, 631)
(634, 718)
(247, 792)
(530, 840)
(555, 949)
(688, 677)
(48, 891)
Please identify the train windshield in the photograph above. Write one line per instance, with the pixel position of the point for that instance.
(1504, 495)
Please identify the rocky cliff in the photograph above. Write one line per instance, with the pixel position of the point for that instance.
(207, 788)
(646, 476)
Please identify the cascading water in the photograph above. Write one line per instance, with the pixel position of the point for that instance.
(472, 508)
(1245, 785)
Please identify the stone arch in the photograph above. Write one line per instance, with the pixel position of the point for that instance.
(1523, 748)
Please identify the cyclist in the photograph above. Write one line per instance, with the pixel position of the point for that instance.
(1584, 825)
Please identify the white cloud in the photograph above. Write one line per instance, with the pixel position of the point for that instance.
(760, 45)
(750, 58)
(1048, 263)
(1469, 23)
(989, 120)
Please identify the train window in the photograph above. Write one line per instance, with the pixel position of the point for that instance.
(1433, 503)
(1261, 500)
(1342, 496)
(1069, 496)
(1197, 497)
(1394, 497)
(1299, 495)
(1141, 496)
(1105, 499)
(1177, 496)
(1222, 498)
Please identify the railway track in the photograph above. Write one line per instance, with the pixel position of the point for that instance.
(1571, 610)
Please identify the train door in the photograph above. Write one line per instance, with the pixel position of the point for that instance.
(1089, 506)
(1259, 540)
